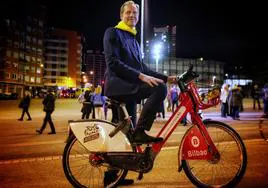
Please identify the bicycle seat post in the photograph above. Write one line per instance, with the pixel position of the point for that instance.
(126, 115)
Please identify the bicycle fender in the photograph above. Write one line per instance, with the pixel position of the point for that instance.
(94, 136)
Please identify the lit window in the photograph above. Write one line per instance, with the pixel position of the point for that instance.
(27, 78)
(32, 79)
(38, 80)
(14, 76)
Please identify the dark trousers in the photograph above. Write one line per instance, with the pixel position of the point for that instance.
(86, 111)
(49, 120)
(93, 111)
(256, 101)
(175, 102)
(25, 110)
(224, 109)
(154, 95)
(235, 112)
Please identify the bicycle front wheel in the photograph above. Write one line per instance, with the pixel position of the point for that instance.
(84, 169)
(231, 167)
(263, 127)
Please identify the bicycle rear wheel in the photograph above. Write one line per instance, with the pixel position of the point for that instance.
(84, 169)
(263, 127)
(231, 167)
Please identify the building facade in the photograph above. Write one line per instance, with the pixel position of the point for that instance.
(21, 50)
(210, 72)
(63, 58)
(94, 67)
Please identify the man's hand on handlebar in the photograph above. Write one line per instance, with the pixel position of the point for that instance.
(152, 81)
(172, 79)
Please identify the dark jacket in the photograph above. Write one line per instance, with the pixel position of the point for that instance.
(25, 103)
(49, 103)
(124, 63)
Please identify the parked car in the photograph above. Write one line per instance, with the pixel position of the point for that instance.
(8, 96)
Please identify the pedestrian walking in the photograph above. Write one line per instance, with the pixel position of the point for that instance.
(24, 105)
(49, 107)
(87, 105)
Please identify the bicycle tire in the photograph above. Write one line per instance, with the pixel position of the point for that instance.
(231, 167)
(263, 127)
(79, 170)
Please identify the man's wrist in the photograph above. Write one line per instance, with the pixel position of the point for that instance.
(141, 76)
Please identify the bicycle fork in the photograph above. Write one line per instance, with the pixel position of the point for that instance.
(197, 145)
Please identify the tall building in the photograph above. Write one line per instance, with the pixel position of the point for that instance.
(63, 58)
(21, 48)
(94, 67)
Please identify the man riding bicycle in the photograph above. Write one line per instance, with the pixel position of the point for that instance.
(127, 78)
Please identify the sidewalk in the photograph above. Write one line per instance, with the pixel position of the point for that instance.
(19, 139)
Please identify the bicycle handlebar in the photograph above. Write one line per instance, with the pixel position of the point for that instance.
(184, 82)
(186, 77)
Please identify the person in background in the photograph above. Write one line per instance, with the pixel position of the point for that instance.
(98, 101)
(161, 110)
(87, 104)
(265, 99)
(236, 99)
(49, 107)
(174, 95)
(223, 99)
(256, 96)
(25, 104)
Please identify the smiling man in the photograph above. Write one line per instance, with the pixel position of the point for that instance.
(127, 78)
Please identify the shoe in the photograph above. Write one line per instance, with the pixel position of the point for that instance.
(140, 137)
(126, 182)
(51, 133)
(38, 131)
(20, 119)
(30, 119)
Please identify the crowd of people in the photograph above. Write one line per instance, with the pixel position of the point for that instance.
(232, 100)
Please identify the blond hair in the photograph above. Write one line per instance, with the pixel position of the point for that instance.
(128, 3)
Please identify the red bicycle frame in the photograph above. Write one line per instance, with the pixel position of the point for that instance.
(196, 142)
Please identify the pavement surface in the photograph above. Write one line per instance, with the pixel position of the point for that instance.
(31, 160)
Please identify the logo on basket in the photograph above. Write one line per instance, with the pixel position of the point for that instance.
(195, 141)
(91, 133)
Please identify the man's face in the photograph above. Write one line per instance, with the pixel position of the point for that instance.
(130, 16)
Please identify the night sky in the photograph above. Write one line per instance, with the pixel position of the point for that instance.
(230, 31)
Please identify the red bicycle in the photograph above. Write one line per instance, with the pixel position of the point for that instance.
(211, 153)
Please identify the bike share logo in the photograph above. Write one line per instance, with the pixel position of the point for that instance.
(195, 141)
(91, 133)
(195, 153)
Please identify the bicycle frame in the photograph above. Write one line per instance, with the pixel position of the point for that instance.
(196, 143)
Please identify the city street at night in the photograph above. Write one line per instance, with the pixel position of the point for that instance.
(31, 160)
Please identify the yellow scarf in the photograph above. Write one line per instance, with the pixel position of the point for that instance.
(121, 25)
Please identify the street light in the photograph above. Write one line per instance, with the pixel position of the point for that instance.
(156, 54)
(213, 80)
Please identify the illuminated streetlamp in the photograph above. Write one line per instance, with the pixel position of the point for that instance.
(213, 80)
(156, 54)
